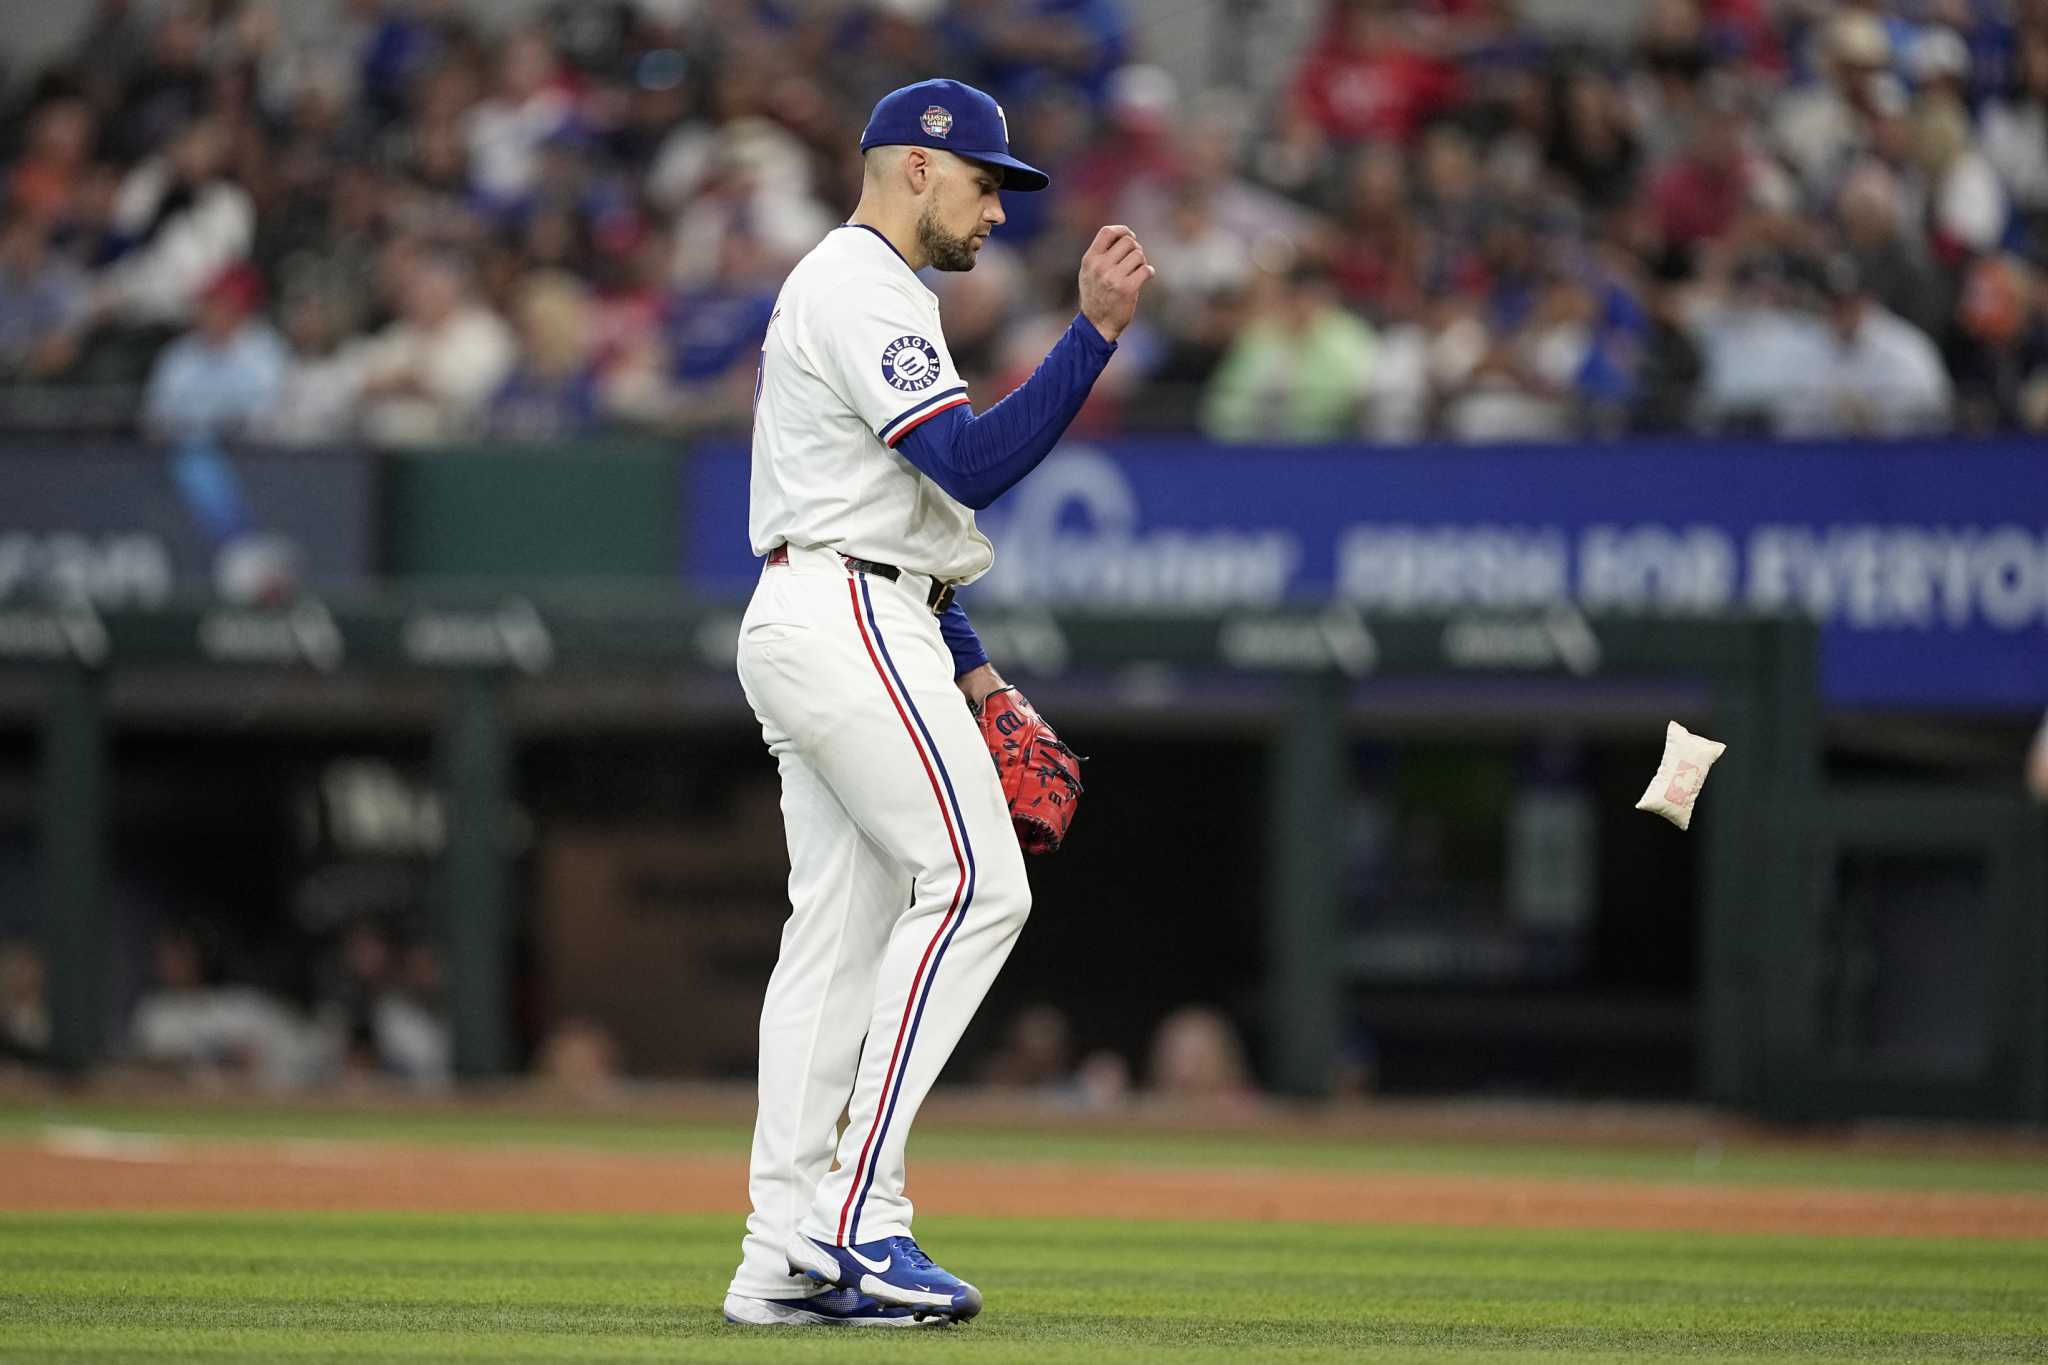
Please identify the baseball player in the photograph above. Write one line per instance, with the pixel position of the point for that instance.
(906, 880)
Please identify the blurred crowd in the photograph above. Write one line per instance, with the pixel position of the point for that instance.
(1773, 217)
(374, 1014)
(1195, 1058)
(376, 1020)
(396, 221)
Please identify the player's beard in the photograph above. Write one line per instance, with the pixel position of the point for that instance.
(942, 248)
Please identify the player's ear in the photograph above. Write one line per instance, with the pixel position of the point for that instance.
(917, 169)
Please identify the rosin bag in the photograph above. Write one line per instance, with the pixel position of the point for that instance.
(1680, 776)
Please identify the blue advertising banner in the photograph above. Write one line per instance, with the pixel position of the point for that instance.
(125, 524)
(1927, 563)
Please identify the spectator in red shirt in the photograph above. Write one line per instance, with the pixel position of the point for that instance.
(1700, 196)
(1372, 76)
(1742, 29)
(1139, 146)
(1379, 260)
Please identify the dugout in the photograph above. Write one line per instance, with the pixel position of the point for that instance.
(1868, 946)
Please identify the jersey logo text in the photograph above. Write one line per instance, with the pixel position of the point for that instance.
(910, 364)
(937, 120)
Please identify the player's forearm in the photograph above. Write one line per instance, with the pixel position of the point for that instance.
(977, 458)
(977, 685)
(961, 641)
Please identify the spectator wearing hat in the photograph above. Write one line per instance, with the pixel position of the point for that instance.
(227, 372)
(1889, 251)
(1821, 126)
(1939, 59)
(1759, 349)
(1881, 376)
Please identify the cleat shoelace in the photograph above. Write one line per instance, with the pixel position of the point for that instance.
(913, 1254)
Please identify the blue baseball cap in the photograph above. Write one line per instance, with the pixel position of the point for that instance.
(954, 118)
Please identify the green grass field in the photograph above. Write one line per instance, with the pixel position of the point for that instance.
(414, 1287)
(411, 1288)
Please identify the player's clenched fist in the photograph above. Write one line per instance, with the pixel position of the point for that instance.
(1113, 270)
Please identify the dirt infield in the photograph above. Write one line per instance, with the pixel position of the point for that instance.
(88, 1171)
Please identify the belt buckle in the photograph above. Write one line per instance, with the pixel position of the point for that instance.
(941, 597)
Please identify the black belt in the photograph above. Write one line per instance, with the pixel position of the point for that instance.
(938, 599)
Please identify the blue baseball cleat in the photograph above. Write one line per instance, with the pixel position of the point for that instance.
(892, 1269)
(833, 1308)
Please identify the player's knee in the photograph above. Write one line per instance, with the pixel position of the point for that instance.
(1005, 896)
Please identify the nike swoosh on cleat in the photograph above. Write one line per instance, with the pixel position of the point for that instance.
(877, 1266)
(896, 1293)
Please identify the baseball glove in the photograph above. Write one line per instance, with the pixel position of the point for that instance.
(1041, 776)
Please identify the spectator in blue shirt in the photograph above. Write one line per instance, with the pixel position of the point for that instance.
(1020, 47)
(553, 393)
(42, 298)
(224, 373)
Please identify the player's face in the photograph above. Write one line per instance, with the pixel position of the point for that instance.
(962, 209)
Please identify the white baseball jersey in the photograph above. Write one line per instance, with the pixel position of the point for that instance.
(854, 361)
(906, 885)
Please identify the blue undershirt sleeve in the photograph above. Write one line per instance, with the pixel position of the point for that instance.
(968, 654)
(978, 458)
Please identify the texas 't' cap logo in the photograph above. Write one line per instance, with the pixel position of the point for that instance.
(937, 120)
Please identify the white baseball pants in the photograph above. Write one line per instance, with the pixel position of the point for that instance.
(906, 889)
